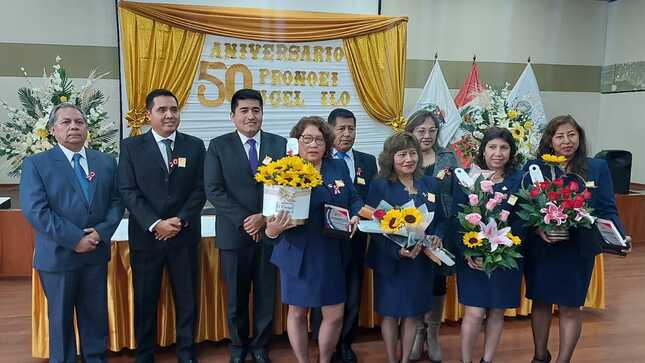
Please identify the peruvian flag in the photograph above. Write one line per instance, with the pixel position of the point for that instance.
(436, 92)
(471, 88)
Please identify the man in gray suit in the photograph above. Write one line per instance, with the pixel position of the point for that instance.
(229, 169)
(69, 195)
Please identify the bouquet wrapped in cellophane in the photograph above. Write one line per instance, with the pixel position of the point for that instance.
(484, 223)
(405, 226)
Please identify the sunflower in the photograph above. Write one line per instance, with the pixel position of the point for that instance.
(411, 216)
(511, 114)
(552, 159)
(471, 240)
(516, 240)
(528, 125)
(392, 221)
(41, 133)
(518, 133)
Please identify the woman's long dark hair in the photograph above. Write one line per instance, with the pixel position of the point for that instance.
(578, 163)
(498, 133)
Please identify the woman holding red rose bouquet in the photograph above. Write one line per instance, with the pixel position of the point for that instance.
(486, 294)
(559, 265)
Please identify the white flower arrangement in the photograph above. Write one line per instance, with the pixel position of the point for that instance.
(25, 132)
(490, 108)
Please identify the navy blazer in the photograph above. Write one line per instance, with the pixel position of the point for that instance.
(53, 202)
(383, 255)
(288, 253)
(602, 199)
(365, 168)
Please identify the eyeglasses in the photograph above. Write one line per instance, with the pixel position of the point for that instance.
(308, 139)
(424, 132)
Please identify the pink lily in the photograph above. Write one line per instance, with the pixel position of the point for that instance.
(553, 213)
(494, 236)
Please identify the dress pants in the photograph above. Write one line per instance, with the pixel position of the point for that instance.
(242, 269)
(84, 290)
(147, 267)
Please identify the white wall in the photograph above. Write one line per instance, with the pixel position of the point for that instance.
(622, 115)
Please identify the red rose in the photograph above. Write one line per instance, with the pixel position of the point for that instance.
(573, 186)
(535, 192)
(565, 192)
(553, 196)
(558, 182)
(544, 185)
(379, 214)
(568, 204)
(579, 202)
(586, 194)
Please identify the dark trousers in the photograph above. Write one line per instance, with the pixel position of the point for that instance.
(354, 259)
(242, 269)
(147, 267)
(83, 289)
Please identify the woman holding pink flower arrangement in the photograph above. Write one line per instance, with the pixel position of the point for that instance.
(559, 265)
(486, 212)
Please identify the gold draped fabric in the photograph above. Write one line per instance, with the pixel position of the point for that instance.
(211, 306)
(375, 48)
(264, 24)
(377, 64)
(156, 55)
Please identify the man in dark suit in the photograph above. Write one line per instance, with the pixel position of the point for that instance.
(69, 195)
(161, 182)
(362, 169)
(231, 162)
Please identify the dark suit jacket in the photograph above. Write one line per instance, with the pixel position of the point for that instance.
(52, 201)
(151, 193)
(365, 168)
(231, 187)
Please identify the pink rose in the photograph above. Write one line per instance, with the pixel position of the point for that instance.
(473, 218)
(487, 186)
(499, 197)
(473, 199)
(503, 215)
(491, 204)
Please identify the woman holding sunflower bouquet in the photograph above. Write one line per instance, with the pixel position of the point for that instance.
(311, 263)
(569, 261)
(485, 292)
(402, 279)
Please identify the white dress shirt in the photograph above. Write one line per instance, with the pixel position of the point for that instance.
(162, 146)
(349, 160)
(69, 154)
(247, 147)
(162, 150)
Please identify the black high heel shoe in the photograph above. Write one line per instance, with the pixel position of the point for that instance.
(546, 359)
(483, 361)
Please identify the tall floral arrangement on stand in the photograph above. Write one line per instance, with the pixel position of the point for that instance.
(490, 108)
(25, 131)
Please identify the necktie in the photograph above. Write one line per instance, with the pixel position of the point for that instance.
(253, 156)
(341, 155)
(167, 143)
(80, 175)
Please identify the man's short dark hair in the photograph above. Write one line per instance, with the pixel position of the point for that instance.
(150, 98)
(245, 94)
(340, 112)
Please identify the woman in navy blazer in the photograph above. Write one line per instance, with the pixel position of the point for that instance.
(437, 163)
(487, 297)
(311, 264)
(560, 272)
(403, 281)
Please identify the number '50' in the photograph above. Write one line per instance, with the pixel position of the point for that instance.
(225, 89)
